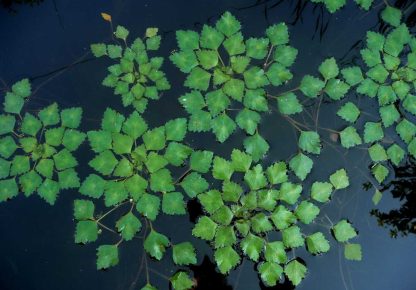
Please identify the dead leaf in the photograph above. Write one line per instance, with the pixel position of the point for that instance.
(106, 17)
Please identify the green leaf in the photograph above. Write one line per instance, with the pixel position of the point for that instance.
(240, 161)
(207, 58)
(336, 89)
(187, 39)
(155, 162)
(349, 137)
(255, 100)
(406, 130)
(181, 281)
(148, 206)
(290, 192)
(114, 51)
(184, 254)
(409, 104)
(223, 216)
(373, 132)
(292, 237)
(211, 200)
(234, 88)
(371, 57)
(378, 73)
(295, 271)
(173, 203)
(349, 112)
(104, 163)
(329, 68)
(282, 217)
(54, 136)
(368, 87)
(128, 225)
(343, 231)
(136, 186)
(223, 126)
(151, 31)
(86, 232)
(334, 5)
(92, 186)
(193, 184)
(301, 165)
(72, 139)
(83, 209)
(177, 153)
(107, 256)
(311, 86)
(205, 228)
(352, 75)
(278, 75)
(13, 103)
(148, 287)
(238, 64)
(389, 115)
(317, 243)
(217, 102)
(22, 88)
(377, 153)
(248, 120)
(184, 60)
(155, 244)
(200, 121)
(228, 24)
(114, 193)
(376, 197)
(45, 167)
(321, 191)
(64, 160)
(121, 32)
(391, 15)
(257, 48)
(8, 123)
(288, 104)
(252, 246)
(49, 190)
(310, 142)
(29, 182)
(339, 179)
(210, 38)
(256, 146)
(112, 121)
(285, 55)
(270, 273)
(255, 178)
(100, 140)
(20, 165)
(226, 258)
(231, 191)
(8, 189)
(380, 172)
(155, 139)
(68, 179)
(353, 252)
(375, 41)
(71, 118)
(201, 161)
(234, 45)
(307, 212)
(198, 79)
(222, 169)
(277, 173)
(134, 126)
(49, 115)
(7, 146)
(278, 34)
(386, 95)
(260, 223)
(275, 252)
(395, 154)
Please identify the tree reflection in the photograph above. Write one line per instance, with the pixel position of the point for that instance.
(403, 187)
(11, 4)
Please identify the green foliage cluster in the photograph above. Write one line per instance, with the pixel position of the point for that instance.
(228, 73)
(36, 150)
(244, 204)
(240, 216)
(137, 77)
(389, 79)
(390, 14)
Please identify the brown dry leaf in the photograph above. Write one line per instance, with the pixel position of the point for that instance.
(106, 17)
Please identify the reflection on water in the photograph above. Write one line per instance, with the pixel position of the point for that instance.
(403, 187)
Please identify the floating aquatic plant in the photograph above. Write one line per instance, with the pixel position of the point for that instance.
(137, 77)
(225, 71)
(37, 149)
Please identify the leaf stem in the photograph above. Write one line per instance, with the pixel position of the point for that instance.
(111, 210)
(268, 56)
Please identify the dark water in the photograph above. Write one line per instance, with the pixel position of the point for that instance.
(49, 43)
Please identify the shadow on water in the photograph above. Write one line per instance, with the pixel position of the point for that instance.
(403, 187)
(206, 275)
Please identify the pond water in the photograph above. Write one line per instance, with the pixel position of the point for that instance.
(49, 43)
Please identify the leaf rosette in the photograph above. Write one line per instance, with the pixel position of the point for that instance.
(36, 150)
(137, 77)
